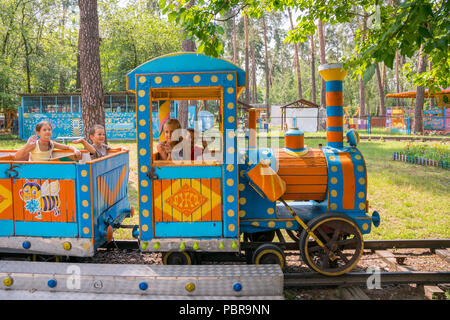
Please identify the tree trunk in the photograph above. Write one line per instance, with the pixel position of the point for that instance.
(266, 61)
(397, 76)
(63, 24)
(234, 41)
(313, 71)
(362, 91)
(420, 95)
(247, 62)
(322, 60)
(93, 110)
(432, 99)
(296, 62)
(254, 88)
(380, 91)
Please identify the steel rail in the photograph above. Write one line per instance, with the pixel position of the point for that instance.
(302, 280)
(368, 244)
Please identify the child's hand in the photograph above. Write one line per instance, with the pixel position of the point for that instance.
(32, 140)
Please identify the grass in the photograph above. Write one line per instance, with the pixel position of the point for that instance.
(413, 200)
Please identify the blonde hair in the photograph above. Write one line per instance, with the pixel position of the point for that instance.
(173, 122)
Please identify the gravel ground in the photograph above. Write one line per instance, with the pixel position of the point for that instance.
(416, 259)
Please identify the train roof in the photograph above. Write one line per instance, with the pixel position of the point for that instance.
(185, 62)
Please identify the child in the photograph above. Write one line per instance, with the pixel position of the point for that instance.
(164, 148)
(41, 149)
(196, 151)
(98, 148)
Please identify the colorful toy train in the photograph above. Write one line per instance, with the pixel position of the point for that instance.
(189, 208)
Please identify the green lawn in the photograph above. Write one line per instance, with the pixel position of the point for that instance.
(413, 200)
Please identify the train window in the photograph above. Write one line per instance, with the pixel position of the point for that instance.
(200, 143)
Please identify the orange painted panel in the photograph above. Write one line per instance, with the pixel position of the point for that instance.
(335, 136)
(335, 98)
(295, 180)
(348, 198)
(303, 196)
(44, 200)
(6, 200)
(306, 189)
(335, 121)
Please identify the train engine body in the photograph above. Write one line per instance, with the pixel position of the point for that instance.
(191, 206)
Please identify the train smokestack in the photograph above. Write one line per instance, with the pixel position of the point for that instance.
(334, 76)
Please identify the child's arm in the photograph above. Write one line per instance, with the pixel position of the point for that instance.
(23, 152)
(86, 145)
(162, 151)
(65, 147)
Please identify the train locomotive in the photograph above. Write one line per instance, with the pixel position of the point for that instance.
(235, 197)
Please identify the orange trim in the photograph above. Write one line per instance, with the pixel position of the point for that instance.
(335, 121)
(348, 174)
(335, 136)
(335, 98)
(294, 142)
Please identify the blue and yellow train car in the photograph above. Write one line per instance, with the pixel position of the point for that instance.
(61, 207)
(204, 205)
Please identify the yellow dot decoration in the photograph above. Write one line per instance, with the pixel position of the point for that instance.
(143, 152)
(334, 180)
(85, 230)
(333, 193)
(270, 211)
(361, 195)
(85, 203)
(230, 182)
(8, 281)
(362, 206)
(190, 287)
(231, 150)
(230, 213)
(231, 227)
(242, 173)
(84, 188)
(142, 136)
(255, 224)
(332, 158)
(230, 199)
(362, 180)
(230, 105)
(230, 90)
(144, 227)
(230, 119)
(289, 224)
(365, 226)
(231, 133)
(144, 183)
(242, 201)
(358, 157)
(86, 246)
(141, 107)
(85, 216)
(360, 168)
(241, 187)
(175, 79)
(144, 169)
(334, 168)
(229, 77)
(144, 198)
(271, 224)
(83, 173)
(141, 93)
(230, 167)
(158, 80)
(197, 79)
(142, 122)
(142, 79)
(333, 206)
(145, 213)
(242, 213)
(214, 79)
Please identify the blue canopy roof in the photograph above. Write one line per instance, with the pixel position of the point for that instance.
(184, 62)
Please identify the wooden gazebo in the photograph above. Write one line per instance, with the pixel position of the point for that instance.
(301, 103)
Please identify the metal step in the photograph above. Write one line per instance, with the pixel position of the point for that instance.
(51, 280)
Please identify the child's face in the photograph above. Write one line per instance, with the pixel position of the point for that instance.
(168, 129)
(45, 132)
(98, 137)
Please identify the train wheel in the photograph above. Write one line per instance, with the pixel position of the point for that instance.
(341, 236)
(269, 254)
(177, 258)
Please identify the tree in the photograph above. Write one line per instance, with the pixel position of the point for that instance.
(266, 62)
(93, 111)
(296, 61)
(420, 95)
(322, 61)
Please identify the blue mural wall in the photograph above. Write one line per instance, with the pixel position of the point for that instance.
(118, 125)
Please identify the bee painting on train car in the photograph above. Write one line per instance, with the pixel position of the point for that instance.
(41, 198)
